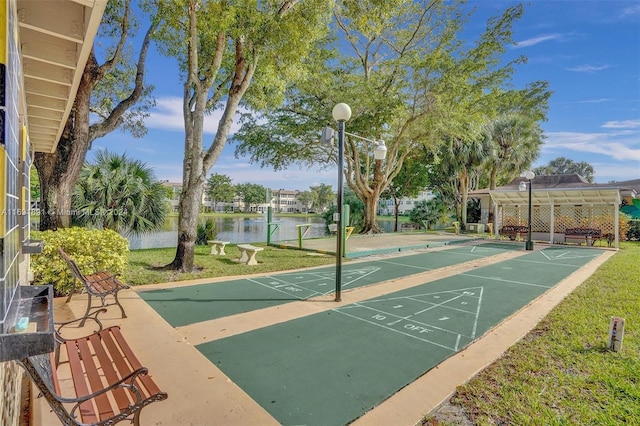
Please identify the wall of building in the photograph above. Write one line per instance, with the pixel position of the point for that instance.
(14, 202)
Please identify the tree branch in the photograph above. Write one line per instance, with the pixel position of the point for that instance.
(115, 117)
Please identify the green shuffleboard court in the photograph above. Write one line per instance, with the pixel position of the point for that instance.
(332, 367)
(196, 303)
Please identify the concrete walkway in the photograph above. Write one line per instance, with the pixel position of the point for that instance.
(200, 394)
(366, 245)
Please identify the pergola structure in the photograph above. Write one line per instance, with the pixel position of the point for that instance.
(559, 202)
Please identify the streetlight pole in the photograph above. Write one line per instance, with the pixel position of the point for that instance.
(341, 113)
(529, 175)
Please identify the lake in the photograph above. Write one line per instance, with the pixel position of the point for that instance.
(236, 230)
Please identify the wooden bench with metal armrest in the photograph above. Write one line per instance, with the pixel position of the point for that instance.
(100, 284)
(588, 235)
(109, 383)
(514, 231)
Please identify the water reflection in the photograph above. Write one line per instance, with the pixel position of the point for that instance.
(235, 230)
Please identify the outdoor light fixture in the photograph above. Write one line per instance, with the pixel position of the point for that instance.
(529, 175)
(380, 151)
(342, 113)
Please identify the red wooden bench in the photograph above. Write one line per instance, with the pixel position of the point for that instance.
(100, 284)
(109, 383)
(588, 235)
(513, 231)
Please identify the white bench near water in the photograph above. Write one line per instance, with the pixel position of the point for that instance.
(248, 254)
(217, 247)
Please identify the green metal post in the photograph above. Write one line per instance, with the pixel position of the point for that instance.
(345, 223)
(269, 225)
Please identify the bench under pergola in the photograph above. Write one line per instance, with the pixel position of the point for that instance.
(564, 208)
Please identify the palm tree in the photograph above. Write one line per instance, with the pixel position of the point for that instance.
(516, 142)
(120, 194)
(463, 158)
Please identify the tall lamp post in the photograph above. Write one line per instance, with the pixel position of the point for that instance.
(529, 175)
(341, 113)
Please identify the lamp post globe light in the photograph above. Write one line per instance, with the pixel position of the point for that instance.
(341, 113)
(529, 175)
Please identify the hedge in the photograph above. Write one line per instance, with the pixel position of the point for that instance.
(92, 249)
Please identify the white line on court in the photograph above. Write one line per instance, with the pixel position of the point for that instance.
(426, 294)
(314, 293)
(505, 280)
(379, 311)
(400, 318)
(433, 305)
(347, 283)
(398, 331)
(475, 323)
(405, 265)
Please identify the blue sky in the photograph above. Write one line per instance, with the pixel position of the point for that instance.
(589, 52)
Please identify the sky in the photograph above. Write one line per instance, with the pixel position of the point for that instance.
(588, 51)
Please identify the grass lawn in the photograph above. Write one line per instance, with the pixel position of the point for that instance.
(144, 264)
(562, 372)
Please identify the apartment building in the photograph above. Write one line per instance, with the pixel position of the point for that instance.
(288, 201)
(387, 207)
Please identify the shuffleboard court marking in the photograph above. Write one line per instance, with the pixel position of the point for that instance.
(288, 289)
(413, 315)
(360, 274)
(504, 280)
(566, 254)
(474, 252)
(306, 285)
(422, 268)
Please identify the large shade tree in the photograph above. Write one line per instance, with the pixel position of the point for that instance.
(400, 66)
(230, 52)
(563, 166)
(220, 189)
(111, 95)
(412, 179)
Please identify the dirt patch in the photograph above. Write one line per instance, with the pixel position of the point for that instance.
(448, 414)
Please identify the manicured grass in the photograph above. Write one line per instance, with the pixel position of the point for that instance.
(562, 372)
(144, 264)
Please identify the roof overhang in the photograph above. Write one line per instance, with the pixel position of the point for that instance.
(56, 38)
(574, 196)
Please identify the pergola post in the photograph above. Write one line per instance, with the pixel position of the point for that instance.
(552, 223)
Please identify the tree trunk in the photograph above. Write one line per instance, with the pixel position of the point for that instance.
(189, 208)
(370, 225)
(59, 171)
(464, 185)
(396, 207)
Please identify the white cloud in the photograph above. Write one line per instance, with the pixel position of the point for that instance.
(624, 124)
(167, 115)
(619, 146)
(606, 172)
(588, 68)
(536, 40)
(631, 10)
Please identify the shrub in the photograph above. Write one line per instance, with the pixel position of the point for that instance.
(633, 233)
(206, 231)
(92, 250)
